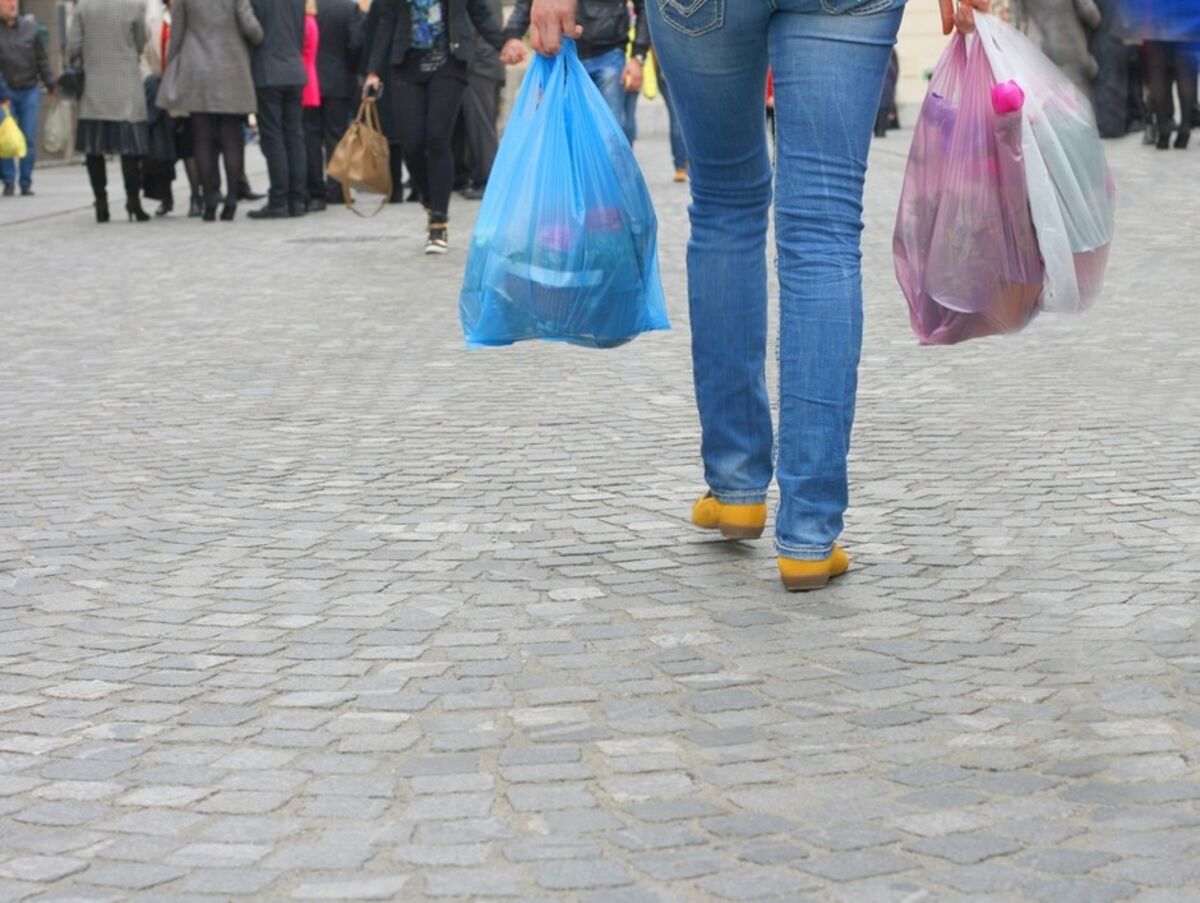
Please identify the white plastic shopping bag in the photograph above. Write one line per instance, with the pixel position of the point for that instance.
(1071, 190)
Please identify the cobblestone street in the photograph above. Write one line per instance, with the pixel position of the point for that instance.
(300, 600)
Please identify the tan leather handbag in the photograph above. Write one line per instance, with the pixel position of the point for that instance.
(361, 159)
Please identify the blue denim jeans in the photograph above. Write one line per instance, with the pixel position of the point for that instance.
(25, 106)
(605, 71)
(829, 58)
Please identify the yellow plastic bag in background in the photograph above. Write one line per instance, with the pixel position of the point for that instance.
(650, 77)
(12, 139)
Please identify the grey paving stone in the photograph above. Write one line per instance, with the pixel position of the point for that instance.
(357, 887)
(472, 883)
(855, 865)
(41, 868)
(757, 884)
(965, 849)
(581, 874)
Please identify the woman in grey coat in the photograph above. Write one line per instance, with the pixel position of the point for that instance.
(208, 76)
(106, 40)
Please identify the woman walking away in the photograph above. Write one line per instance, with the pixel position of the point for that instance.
(208, 76)
(106, 40)
(829, 59)
(422, 42)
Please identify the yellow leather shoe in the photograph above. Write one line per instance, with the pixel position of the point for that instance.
(734, 521)
(798, 576)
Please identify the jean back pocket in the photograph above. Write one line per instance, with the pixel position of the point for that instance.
(856, 7)
(693, 17)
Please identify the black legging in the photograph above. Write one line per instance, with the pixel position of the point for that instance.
(210, 132)
(426, 107)
(131, 175)
(1166, 60)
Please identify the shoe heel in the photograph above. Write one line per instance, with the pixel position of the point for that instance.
(733, 531)
(804, 584)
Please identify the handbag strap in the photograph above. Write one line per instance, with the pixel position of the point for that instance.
(348, 199)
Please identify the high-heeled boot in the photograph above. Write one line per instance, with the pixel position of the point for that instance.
(131, 172)
(98, 177)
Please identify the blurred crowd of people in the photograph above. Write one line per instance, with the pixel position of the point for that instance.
(171, 86)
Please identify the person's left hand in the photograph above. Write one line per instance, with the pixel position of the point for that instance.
(631, 78)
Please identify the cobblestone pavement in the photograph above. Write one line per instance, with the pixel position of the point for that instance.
(301, 601)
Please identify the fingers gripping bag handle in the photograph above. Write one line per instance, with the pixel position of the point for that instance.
(560, 249)
(1071, 189)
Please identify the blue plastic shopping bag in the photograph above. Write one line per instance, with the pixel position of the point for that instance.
(565, 246)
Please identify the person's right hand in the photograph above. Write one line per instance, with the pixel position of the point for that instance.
(549, 20)
(512, 52)
(372, 85)
(960, 14)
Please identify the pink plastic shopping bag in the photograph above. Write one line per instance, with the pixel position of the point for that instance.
(966, 252)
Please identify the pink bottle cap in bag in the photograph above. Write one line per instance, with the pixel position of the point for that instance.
(1007, 97)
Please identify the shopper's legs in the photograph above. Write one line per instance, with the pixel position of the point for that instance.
(717, 67)
(829, 70)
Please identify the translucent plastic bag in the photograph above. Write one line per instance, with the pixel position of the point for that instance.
(965, 249)
(56, 134)
(1071, 190)
(565, 246)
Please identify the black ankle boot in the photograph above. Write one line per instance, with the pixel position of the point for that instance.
(1164, 139)
(1181, 139)
(134, 208)
(102, 210)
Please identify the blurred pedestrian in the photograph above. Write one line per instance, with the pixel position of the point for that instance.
(385, 108)
(421, 43)
(310, 111)
(279, 77)
(1171, 32)
(340, 24)
(106, 41)
(208, 76)
(602, 49)
(829, 61)
(678, 148)
(1171, 64)
(25, 68)
(481, 106)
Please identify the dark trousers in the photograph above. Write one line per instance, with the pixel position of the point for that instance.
(426, 107)
(480, 106)
(281, 133)
(1166, 62)
(131, 175)
(213, 134)
(324, 127)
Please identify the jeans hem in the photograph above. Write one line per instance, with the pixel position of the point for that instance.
(803, 553)
(739, 496)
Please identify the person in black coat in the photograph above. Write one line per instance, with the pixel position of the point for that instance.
(279, 77)
(480, 108)
(421, 44)
(340, 23)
